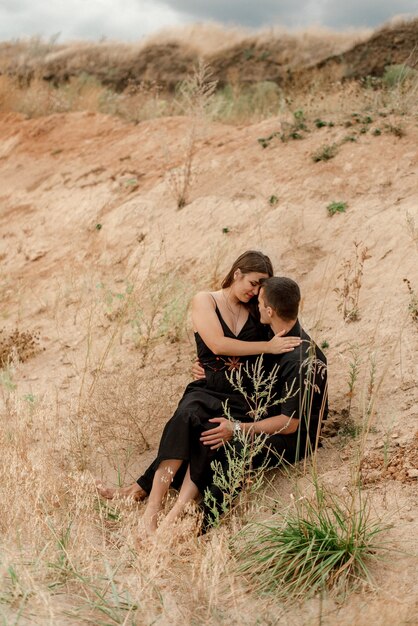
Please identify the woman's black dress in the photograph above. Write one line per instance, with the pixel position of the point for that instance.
(202, 400)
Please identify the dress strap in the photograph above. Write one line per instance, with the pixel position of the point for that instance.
(218, 311)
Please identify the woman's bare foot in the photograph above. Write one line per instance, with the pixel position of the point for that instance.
(149, 519)
(173, 515)
(133, 492)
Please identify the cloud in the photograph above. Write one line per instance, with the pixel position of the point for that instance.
(129, 20)
(93, 19)
(364, 12)
(245, 12)
(334, 13)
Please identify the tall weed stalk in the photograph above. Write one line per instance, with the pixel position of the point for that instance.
(195, 95)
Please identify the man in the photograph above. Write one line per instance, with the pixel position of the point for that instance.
(292, 427)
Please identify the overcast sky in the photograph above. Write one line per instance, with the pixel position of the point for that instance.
(130, 20)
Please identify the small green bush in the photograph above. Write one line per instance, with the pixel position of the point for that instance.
(395, 75)
(265, 141)
(248, 54)
(325, 153)
(259, 101)
(349, 138)
(321, 123)
(295, 130)
(299, 123)
(336, 207)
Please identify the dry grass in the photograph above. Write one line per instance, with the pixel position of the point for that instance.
(233, 104)
(40, 98)
(69, 558)
(41, 77)
(121, 431)
(201, 39)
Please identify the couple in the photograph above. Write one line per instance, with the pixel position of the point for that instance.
(232, 329)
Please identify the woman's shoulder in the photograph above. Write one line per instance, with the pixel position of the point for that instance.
(205, 298)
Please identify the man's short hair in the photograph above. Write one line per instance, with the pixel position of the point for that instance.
(283, 296)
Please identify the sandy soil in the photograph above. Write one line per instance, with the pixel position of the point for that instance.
(86, 199)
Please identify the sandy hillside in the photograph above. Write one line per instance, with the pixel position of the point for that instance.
(299, 59)
(89, 229)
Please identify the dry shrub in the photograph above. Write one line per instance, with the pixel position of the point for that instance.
(40, 98)
(68, 557)
(214, 269)
(138, 103)
(17, 344)
(127, 410)
(84, 93)
(351, 274)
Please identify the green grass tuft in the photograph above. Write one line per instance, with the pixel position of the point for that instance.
(323, 543)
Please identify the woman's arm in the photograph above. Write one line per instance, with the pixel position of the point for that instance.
(206, 323)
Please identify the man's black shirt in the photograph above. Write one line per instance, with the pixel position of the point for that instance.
(301, 382)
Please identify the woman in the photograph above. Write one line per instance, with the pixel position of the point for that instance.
(227, 328)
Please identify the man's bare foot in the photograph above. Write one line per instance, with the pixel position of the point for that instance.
(133, 492)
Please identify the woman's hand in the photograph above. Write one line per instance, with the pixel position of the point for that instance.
(280, 344)
(216, 437)
(197, 370)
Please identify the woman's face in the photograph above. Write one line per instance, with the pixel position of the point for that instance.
(248, 285)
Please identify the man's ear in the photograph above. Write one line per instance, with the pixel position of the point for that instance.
(270, 311)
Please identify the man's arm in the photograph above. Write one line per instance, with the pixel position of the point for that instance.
(285, 423)
(197, 371)
(222, 433)
(282, 424)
